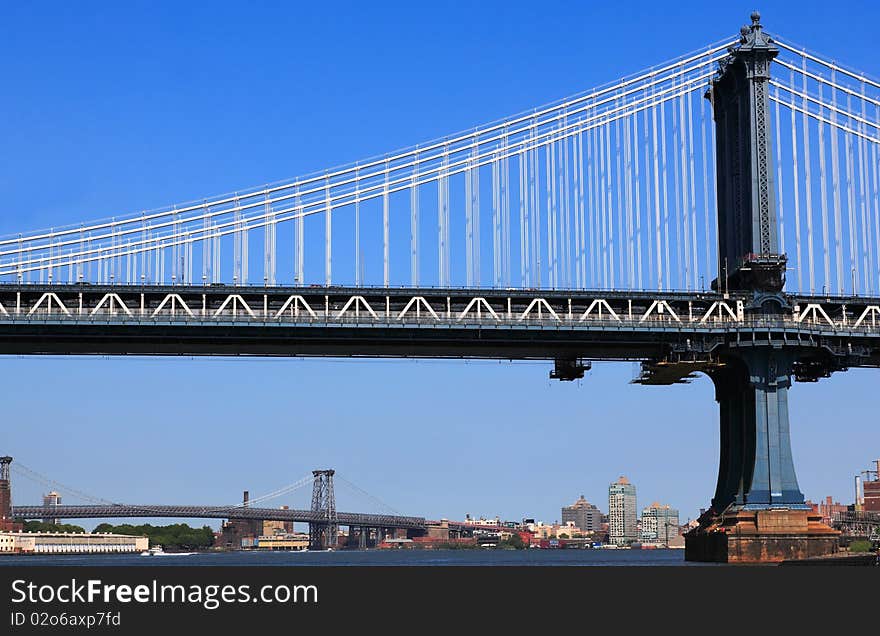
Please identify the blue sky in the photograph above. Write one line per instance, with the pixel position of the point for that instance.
(107, 108)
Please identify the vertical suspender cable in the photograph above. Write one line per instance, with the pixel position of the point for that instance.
(610, 210)
(686, 180)
(414, 223)
(496, 220)
(656, 170)
(236, 244)
(779, 188)
(537, 273)
(523, 220)
(706, 220)
(358, 281)
(550, 166)
(796, 188)
(668, 275)
(595, 210)
(853, 262)
(867, 248)
(328, 233)
(582, 246)
(566, 207)
(629, 238)
(835, 186)
(637, 186)
(808, 188)
(475, 217)
(603, 207)
(505, 213)
(578, 216)
(468, 217)
(618, 207)
(300, 237)
(206, 243)
(823, 193)
(535, 186)
(386, 238)
(875, 195)
(695, 263)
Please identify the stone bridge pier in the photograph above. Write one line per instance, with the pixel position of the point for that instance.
(758, 513)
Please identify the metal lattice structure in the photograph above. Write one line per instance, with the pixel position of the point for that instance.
(323, 530)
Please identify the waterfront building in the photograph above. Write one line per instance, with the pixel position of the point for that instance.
(623, 528)
(660, 524)
(584, 515)
(295, 541)
(71, 543)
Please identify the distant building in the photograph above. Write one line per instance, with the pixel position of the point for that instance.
(51, 500)
(623, 528)
(277, 527)
(871, 490)
(482, 521)
(585, 516)
(660, 524)
(71, 543)
(828, 509)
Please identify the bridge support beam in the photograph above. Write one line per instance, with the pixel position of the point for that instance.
(758, 513)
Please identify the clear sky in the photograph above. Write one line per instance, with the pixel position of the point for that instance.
(107, 108)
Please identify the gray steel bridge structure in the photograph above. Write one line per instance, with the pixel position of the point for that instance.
(606, 197)
(352, 519)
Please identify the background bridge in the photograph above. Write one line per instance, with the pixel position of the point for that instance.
(323, 517)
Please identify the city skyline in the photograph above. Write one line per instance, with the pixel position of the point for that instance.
(141, 430)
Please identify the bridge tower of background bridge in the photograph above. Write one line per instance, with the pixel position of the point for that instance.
(323, 532)
(5, 494)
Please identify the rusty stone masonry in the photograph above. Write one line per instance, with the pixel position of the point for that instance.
(760, 536)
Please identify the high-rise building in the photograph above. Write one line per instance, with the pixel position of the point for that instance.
(660, 524)
(584, 515)
(51, 500)
(622, 525)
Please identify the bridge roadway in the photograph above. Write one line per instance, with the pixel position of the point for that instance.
(70, 319)
(351, 519)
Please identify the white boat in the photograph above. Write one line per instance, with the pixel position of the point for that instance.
(157, 550)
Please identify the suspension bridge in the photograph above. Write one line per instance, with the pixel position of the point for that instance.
(717, 213)
(322, 516)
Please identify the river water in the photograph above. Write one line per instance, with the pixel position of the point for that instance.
(372, 558)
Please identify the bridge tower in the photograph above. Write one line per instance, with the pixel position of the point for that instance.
(758, 512)
(323, 531)
(5, 494)
(748, 247)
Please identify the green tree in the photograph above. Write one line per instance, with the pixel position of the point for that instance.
(176, 535)
(39, 526)
(861, 545)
